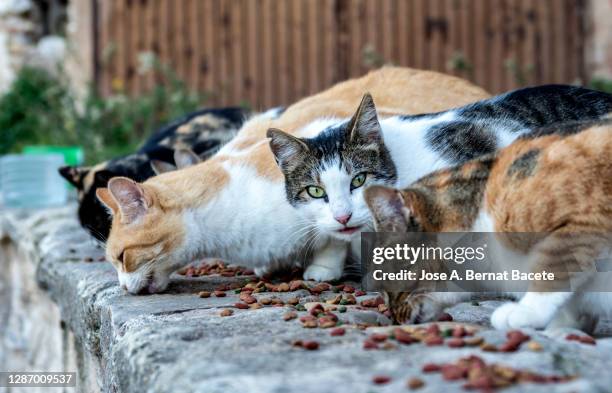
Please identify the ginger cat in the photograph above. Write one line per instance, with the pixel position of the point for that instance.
(557, 183)
(233, 205)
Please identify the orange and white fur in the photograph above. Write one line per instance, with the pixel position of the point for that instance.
(233, 206)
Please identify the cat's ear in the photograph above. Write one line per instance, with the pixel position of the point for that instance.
(74, 174)
(286, 148)
(159, 167)
(364, 125)
(184, 157)
(107, 200)
(130, 198)
(387, 207)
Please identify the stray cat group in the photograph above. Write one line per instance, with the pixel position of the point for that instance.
(299, 195)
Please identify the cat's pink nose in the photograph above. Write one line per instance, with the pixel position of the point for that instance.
(343, 219)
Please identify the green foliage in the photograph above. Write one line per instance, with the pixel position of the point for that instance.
(40, 109)
(601, 83)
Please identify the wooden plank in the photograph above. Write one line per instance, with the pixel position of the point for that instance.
(403, 33)
(208, 66)
(237, 25)
(418, 37)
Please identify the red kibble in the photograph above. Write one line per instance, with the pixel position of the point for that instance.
(588, 340)
(517, 336)
(219, 293)
(348, 289)
(360, 293)
(403, 336)
(433, 329)
(459, 332)
(369, 344)
(378, 337)
(310, 345)
(455, 343)
(445, 317)
(337, 332)
(431, 341)
(431, 368)
(316, 310)
(451, 372)
(510, 346)
(381, 379)
(242, 306)
(572, 337)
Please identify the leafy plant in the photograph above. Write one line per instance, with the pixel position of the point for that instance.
(40, 109)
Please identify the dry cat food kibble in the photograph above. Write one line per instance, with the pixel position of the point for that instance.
(215, 268)
(219, 293)
(480, 375)
(204, 294)
(290, 315)
(241, 306)
(381, 379)
(337, 332)
(226, 313)
(582, 339)
(415, 383)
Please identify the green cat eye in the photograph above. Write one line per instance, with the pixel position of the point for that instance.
(315, 192)
(358, 181)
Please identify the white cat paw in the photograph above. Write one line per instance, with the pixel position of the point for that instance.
(260, 271)
(321, 273)
(515, 316)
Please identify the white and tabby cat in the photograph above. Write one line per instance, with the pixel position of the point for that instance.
(325, 175)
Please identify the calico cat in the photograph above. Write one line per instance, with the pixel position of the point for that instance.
(325, 175)
(203, 132)
(557, 183)
(233, 205)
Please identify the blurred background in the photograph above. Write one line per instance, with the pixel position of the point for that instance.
(102, 74)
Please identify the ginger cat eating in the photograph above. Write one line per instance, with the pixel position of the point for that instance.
(233, 205)
(557, 184)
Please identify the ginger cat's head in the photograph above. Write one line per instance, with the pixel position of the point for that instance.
(143, 252)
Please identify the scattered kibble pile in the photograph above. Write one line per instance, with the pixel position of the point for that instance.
(480, 375)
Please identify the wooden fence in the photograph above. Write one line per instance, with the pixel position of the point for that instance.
(272, 52)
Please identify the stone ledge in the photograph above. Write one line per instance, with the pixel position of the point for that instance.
(178, 342)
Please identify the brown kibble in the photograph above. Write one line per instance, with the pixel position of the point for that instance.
(283, 287)
(226, 313)
(310, 345)
(387, 345)
(415, 383)
(337, 332)
(242, 306)
(297, 343)
(534, 346)
(248, 299)
(265, 301)
(310, 324)
(348, 289)
(290, 315)
(487, 347)
(473, 341)
(326, 322)
(431, 341)
(455, 343)
(381, 379)
(255, 306)
(219, 293)
(372, 302)
(295, 285)
(445, 317)
(293, 301)
(510, 346)
(335, 300)
(204, 294)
